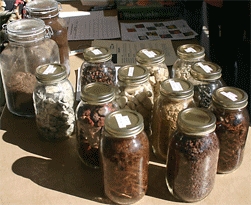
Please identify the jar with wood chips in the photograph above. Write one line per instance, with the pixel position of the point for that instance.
(97, 66)
(97, 100)
(29, 46)
(124, 149)
(54, 102)
(192, 155)
(48, 11)
(187, 55)
(175, 95)
(232, 124)
(135, 92)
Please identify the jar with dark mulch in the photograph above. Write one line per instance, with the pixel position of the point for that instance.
(192, 155)
(124, 152)
(230, 109)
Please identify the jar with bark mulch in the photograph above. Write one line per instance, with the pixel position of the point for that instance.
(233, 120)
(192, 155)
(97, 100)
(175, 95)
(124, 149)
(48, 11)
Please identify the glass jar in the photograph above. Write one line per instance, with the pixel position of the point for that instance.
(175, 95)
(97, 66)
(232, 124)
(153, 60)
(135, 92)
(206, 78)
(54, 102)
(192, 155)
(124, 149)
(187, 55)
(48, 11)
(29, 46)
(97, 100)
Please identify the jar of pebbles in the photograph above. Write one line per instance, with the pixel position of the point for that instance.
(175, 95)
(97, 100)
(187, 55)
(135, 92)
(54, 102)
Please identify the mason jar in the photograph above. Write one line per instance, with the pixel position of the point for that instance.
(48, 11)
(135, 92)
(175, 95)
(97, 100)
(192, 155)
(124, 150)
(232, 124)
(206, 78)
(53, 98)
(187, 55)
(97, 66)
(153, 60)
(29, 46)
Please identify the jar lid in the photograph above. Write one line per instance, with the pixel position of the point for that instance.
(124, 123)
(206, 70)
(230, 98)
(97, 93)
(51, 72)
(97, 54)
(177, 88)
(189, 51)
(149, 55)
(133, 74)
(196, 121)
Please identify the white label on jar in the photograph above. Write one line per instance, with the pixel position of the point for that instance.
(50, 69)
(230, 95)
(130, 71)
(206, 68)
(122, 121)
(96, 51)
(176, 86)
(149, 54)
(190, 50)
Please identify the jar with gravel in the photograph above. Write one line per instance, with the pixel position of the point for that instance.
(53, 98)
(175, 95)
(29, 46)
(192, 155)
(97, 100)
(48, 11)
(187, 55)
(153, 60)
(124, 150)
(232, 124)
(135, 92)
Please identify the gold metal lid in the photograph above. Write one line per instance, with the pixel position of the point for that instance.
(124, 123)
(97, 93)
(230, 98)
(177, 88)
(196, 121)
(206, 70)
(189, 51)
(149, 55)
(97, 54)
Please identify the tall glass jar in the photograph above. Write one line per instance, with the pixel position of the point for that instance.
(53, 98)
(187, 55)
(153, 60)
(48, 11)
(29, 46)
(135, 92)
(175, 95)
(206, 78)
(97, 100)
(232, 124)
(192, 155)
(124, 149)
(97, 66)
